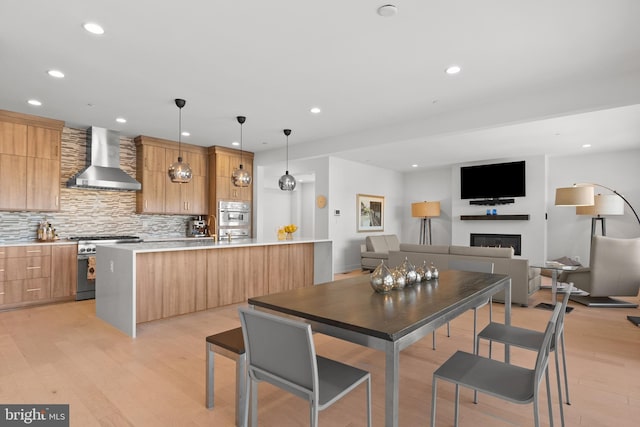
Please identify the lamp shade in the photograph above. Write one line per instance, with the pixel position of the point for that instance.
(604, 204)
(574, 196)
(425, 209)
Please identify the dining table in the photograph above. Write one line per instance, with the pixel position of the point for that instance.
(351, 310)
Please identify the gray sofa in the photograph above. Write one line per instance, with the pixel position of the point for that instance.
(376, 249)
(524, 280)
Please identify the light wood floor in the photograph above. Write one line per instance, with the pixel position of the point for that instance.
(63, 354)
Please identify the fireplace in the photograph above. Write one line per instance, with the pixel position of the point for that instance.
(497, 241)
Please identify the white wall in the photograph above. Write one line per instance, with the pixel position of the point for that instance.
(347, 179)
(429, 185)
(533, 204)
(569, 234)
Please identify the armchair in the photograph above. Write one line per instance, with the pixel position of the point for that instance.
(614, 271)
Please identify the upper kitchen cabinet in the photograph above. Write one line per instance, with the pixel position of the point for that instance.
(30, 148)
(222, 162)
(161, 196)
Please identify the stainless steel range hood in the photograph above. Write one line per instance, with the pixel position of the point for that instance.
(103, 173)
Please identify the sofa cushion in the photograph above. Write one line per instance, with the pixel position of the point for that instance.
(481, 251)
(382, 243)
(431, 249)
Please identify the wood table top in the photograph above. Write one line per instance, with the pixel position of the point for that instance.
(353, 305)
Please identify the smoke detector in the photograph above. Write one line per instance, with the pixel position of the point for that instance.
(388, 10)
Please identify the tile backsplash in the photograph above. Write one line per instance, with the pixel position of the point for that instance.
(92, 212)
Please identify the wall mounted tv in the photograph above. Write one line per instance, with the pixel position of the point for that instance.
(493, 181)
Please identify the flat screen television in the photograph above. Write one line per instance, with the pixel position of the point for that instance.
(493, 181)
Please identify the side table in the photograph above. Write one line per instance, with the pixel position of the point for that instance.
(555, 267)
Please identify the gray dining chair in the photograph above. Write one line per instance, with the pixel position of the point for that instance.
(499, 379)
(281, 351)
(478, 267)
(530, 340)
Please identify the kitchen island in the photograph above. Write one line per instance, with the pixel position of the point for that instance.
(142, 282)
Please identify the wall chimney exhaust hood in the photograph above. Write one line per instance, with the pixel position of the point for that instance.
(103, 173)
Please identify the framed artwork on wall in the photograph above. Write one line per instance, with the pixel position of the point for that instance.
(370, 212)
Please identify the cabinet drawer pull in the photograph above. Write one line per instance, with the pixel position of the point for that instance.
(33, 268)
(35, 251)
(33, 290)
(1, 293)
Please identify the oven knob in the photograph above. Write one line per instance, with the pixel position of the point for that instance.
(81, 250)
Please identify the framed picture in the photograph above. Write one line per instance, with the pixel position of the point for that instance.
(370, 212)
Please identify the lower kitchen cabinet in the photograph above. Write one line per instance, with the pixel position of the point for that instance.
(169, 284)
(64, 270)
(184, 281)
(37, 273)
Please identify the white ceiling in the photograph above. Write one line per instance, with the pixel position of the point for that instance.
(539, 77)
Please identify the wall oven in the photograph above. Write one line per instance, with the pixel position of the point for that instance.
(234, 220)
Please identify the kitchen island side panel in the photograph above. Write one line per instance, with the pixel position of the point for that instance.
(115, 287)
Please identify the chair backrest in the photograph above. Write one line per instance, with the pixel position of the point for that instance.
(543, 352)
(615, 267)
(563, 312)
(471, 265)
(280, 351)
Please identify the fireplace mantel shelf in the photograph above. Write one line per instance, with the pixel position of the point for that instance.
(494, 217)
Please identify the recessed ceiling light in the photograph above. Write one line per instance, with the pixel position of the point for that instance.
(235, 143)
(121, 120)
(93, 28)
(56, 73)
(388, 10)
(186, 133)
(586, 145)
(414, 165)
(34, 102)
(315, 110)
(453, 69)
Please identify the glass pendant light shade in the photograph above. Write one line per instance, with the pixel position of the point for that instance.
(240, 177)
(287, 182)
(180, 172)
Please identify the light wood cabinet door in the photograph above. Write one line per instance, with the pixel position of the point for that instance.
(43, 184)
(43, 143)
(289, 267)
(148, 287)
(173, 191)
(36, 289)
(235, 274)
(13, 177)
(13, 138)
(184, 279)
(152, 173)
(64, 271)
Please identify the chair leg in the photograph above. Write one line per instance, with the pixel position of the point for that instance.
(241, 389)
(209, 393)
(546, 376)
(564, 366)
(490, 320)
(559, 381)
(448, 329)
(536, 420)
(254, 403)
(369, 402)
(313, 414)
(457, 407)
(433, 402)
(433, 340)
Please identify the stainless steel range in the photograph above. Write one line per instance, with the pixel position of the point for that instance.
(87, 261)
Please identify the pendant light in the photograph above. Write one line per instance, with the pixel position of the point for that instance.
(180, 172)
(287, 182)
(240, 177)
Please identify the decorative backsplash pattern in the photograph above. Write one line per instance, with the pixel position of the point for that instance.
(92, 212)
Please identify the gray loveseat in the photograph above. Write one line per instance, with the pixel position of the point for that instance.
(524, 280)
(376, 249)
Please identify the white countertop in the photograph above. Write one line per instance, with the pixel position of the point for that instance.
(37, 243)
(195, 244)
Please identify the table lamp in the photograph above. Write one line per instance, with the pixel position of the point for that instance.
(425, 210)
(604, 205)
